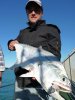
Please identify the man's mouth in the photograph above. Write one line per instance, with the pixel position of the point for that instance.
(33, 17)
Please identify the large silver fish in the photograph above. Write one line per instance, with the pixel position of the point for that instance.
(45, 67)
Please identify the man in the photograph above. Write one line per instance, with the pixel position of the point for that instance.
(2, 66)
(38, 33)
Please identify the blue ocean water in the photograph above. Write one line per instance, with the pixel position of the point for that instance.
(8, 85)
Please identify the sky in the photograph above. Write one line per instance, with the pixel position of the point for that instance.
(13, 18)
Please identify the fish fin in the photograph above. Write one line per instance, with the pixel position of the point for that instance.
(29, 74)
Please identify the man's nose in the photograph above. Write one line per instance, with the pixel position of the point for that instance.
(33, 13)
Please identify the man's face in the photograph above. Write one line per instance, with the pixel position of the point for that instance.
(34, 14)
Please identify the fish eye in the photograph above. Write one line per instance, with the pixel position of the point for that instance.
(63, 79)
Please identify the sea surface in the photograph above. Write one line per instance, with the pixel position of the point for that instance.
(7, 90)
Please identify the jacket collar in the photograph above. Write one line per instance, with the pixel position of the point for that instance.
(38, 23)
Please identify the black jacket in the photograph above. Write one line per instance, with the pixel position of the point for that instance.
(42, 34)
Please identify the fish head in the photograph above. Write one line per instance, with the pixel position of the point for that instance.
(56, 77)
(63, 84)
(62, 81)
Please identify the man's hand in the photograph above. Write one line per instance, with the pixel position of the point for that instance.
(33, 78)
(11, 44)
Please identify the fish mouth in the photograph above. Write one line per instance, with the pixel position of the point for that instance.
(62, 87)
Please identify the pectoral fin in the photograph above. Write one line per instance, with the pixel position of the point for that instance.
(29, 74)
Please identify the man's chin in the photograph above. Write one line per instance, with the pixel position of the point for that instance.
(34, 20)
